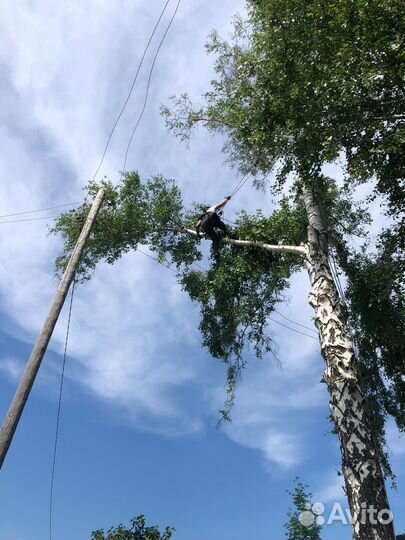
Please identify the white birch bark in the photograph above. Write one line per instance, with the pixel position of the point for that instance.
(364, 481)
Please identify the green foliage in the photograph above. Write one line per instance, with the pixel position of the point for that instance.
(302, 81)
(237, 296)
(134, 213)
(137, 531)
(287, 224)
(343, 73)
(295, 530)
(300, 84)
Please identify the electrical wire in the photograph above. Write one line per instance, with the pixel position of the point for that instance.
(118, 117)
(293, 329)
(200, 267)
(271, 318)
(167, 265)
(156, 260)
(131, 89)
(294, 322)
(148, 85)
(62, 377)
(355, 347)
(28, 219)
(337, 279)
(339, 287)
(40, 209)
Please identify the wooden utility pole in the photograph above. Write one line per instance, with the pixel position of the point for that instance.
(38, 352)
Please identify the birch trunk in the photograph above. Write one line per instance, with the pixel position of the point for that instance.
(364, 481)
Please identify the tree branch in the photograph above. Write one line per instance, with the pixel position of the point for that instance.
(389, 117)
(297, 250)
(201, 118)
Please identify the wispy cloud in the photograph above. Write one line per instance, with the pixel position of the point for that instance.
(69, 76)
(330, 489)
(12, 367)
(276, 401)
(134, 341)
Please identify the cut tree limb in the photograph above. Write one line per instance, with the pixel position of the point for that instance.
(297, 250)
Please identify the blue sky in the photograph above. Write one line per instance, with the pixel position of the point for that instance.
(138, 432)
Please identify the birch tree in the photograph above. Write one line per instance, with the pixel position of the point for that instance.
(238, 297)
(298, 84)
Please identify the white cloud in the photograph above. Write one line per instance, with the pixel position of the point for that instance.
(275, 401)
(68, 68)
(331, 489)
(276, 446)
(283, 449)
(11, 367)
(269, 418)
(72, 64)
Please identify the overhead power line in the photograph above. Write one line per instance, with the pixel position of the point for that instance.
(131, 89)
(40, 209)
(62, 378)
(167, 265)
(156, 260)
(148, 85)
(294, 322)
(28, 219)
(293, 329)
(117, 119)
(271, 318)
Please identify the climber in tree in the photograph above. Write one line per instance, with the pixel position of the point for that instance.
(210, 221)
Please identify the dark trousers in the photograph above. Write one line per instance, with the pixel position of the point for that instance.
(209, 223)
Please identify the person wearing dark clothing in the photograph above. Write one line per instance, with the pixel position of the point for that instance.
(209, 222)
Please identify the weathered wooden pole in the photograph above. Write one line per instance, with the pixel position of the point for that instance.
(38, 352)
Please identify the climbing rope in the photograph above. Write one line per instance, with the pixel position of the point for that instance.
(240, 184)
